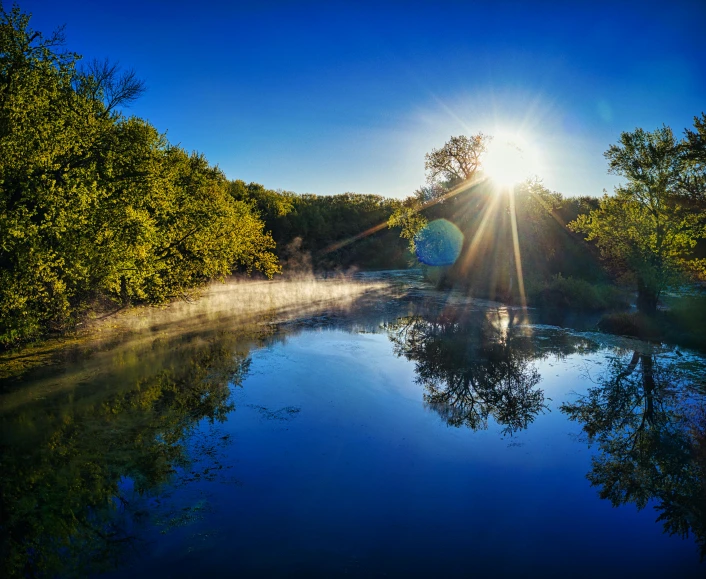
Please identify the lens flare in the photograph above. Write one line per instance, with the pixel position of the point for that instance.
(439, 243)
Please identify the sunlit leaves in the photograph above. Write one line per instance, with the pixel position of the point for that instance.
(652, 223)
(94, 204)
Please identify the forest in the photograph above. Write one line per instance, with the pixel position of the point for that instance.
(98, 211)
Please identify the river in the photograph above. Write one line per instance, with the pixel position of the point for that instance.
(367, 427)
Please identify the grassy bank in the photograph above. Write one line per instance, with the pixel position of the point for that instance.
(683, 322)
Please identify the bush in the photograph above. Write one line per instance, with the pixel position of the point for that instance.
(573, 293)
(632, 324)
(684, 323)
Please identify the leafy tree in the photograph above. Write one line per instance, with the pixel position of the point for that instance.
(651, 225)
(693, 175)
(94, 204)
(457, 161)
(408, 217)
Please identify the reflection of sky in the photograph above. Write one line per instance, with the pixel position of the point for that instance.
(334, 97)
(365, 479)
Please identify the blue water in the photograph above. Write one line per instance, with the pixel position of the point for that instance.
(329, 461)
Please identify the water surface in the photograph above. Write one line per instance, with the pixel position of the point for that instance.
(371, 427)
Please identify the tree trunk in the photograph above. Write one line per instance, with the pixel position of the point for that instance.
(124, 297)
(646, 298)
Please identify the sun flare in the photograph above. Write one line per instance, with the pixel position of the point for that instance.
(509, 161)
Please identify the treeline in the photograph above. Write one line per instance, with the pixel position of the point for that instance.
(96, 205)
(528, 244)
(328, 232)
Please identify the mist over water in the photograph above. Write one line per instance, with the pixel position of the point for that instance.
(363, 425)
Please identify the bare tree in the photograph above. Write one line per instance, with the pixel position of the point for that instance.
(103, 81)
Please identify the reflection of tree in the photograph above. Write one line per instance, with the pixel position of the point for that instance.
(61, 476)
(649, 427)
(471, 370)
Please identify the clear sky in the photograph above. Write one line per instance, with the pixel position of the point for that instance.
(329, 97)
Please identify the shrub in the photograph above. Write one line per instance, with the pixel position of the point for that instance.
(569, 292)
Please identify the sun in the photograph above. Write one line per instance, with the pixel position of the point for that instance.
(509, 161)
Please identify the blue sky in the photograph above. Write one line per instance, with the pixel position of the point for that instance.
(334, 97)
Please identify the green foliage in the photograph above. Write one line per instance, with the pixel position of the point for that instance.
(409, 219)
(692, 179)
(96, 204)
(447, 168)
(653, 222)
(652, 230)
(327, 231)
(485, 215)
(570, 292)
(268, 203)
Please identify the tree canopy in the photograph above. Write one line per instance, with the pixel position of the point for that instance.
(97, 204)
(457, 161)
(652, 224)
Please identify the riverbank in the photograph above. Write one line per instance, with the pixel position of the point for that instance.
(682, 322)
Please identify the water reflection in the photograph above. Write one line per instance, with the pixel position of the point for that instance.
(109, 449)
(648, 421)
(96, 436)
(78, 467)
(471, 369)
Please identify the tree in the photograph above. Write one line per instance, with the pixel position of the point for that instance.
(693, 177)
(651, 225)
(101, 80)
(457, 161)
(95, 204)
(453, 164)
